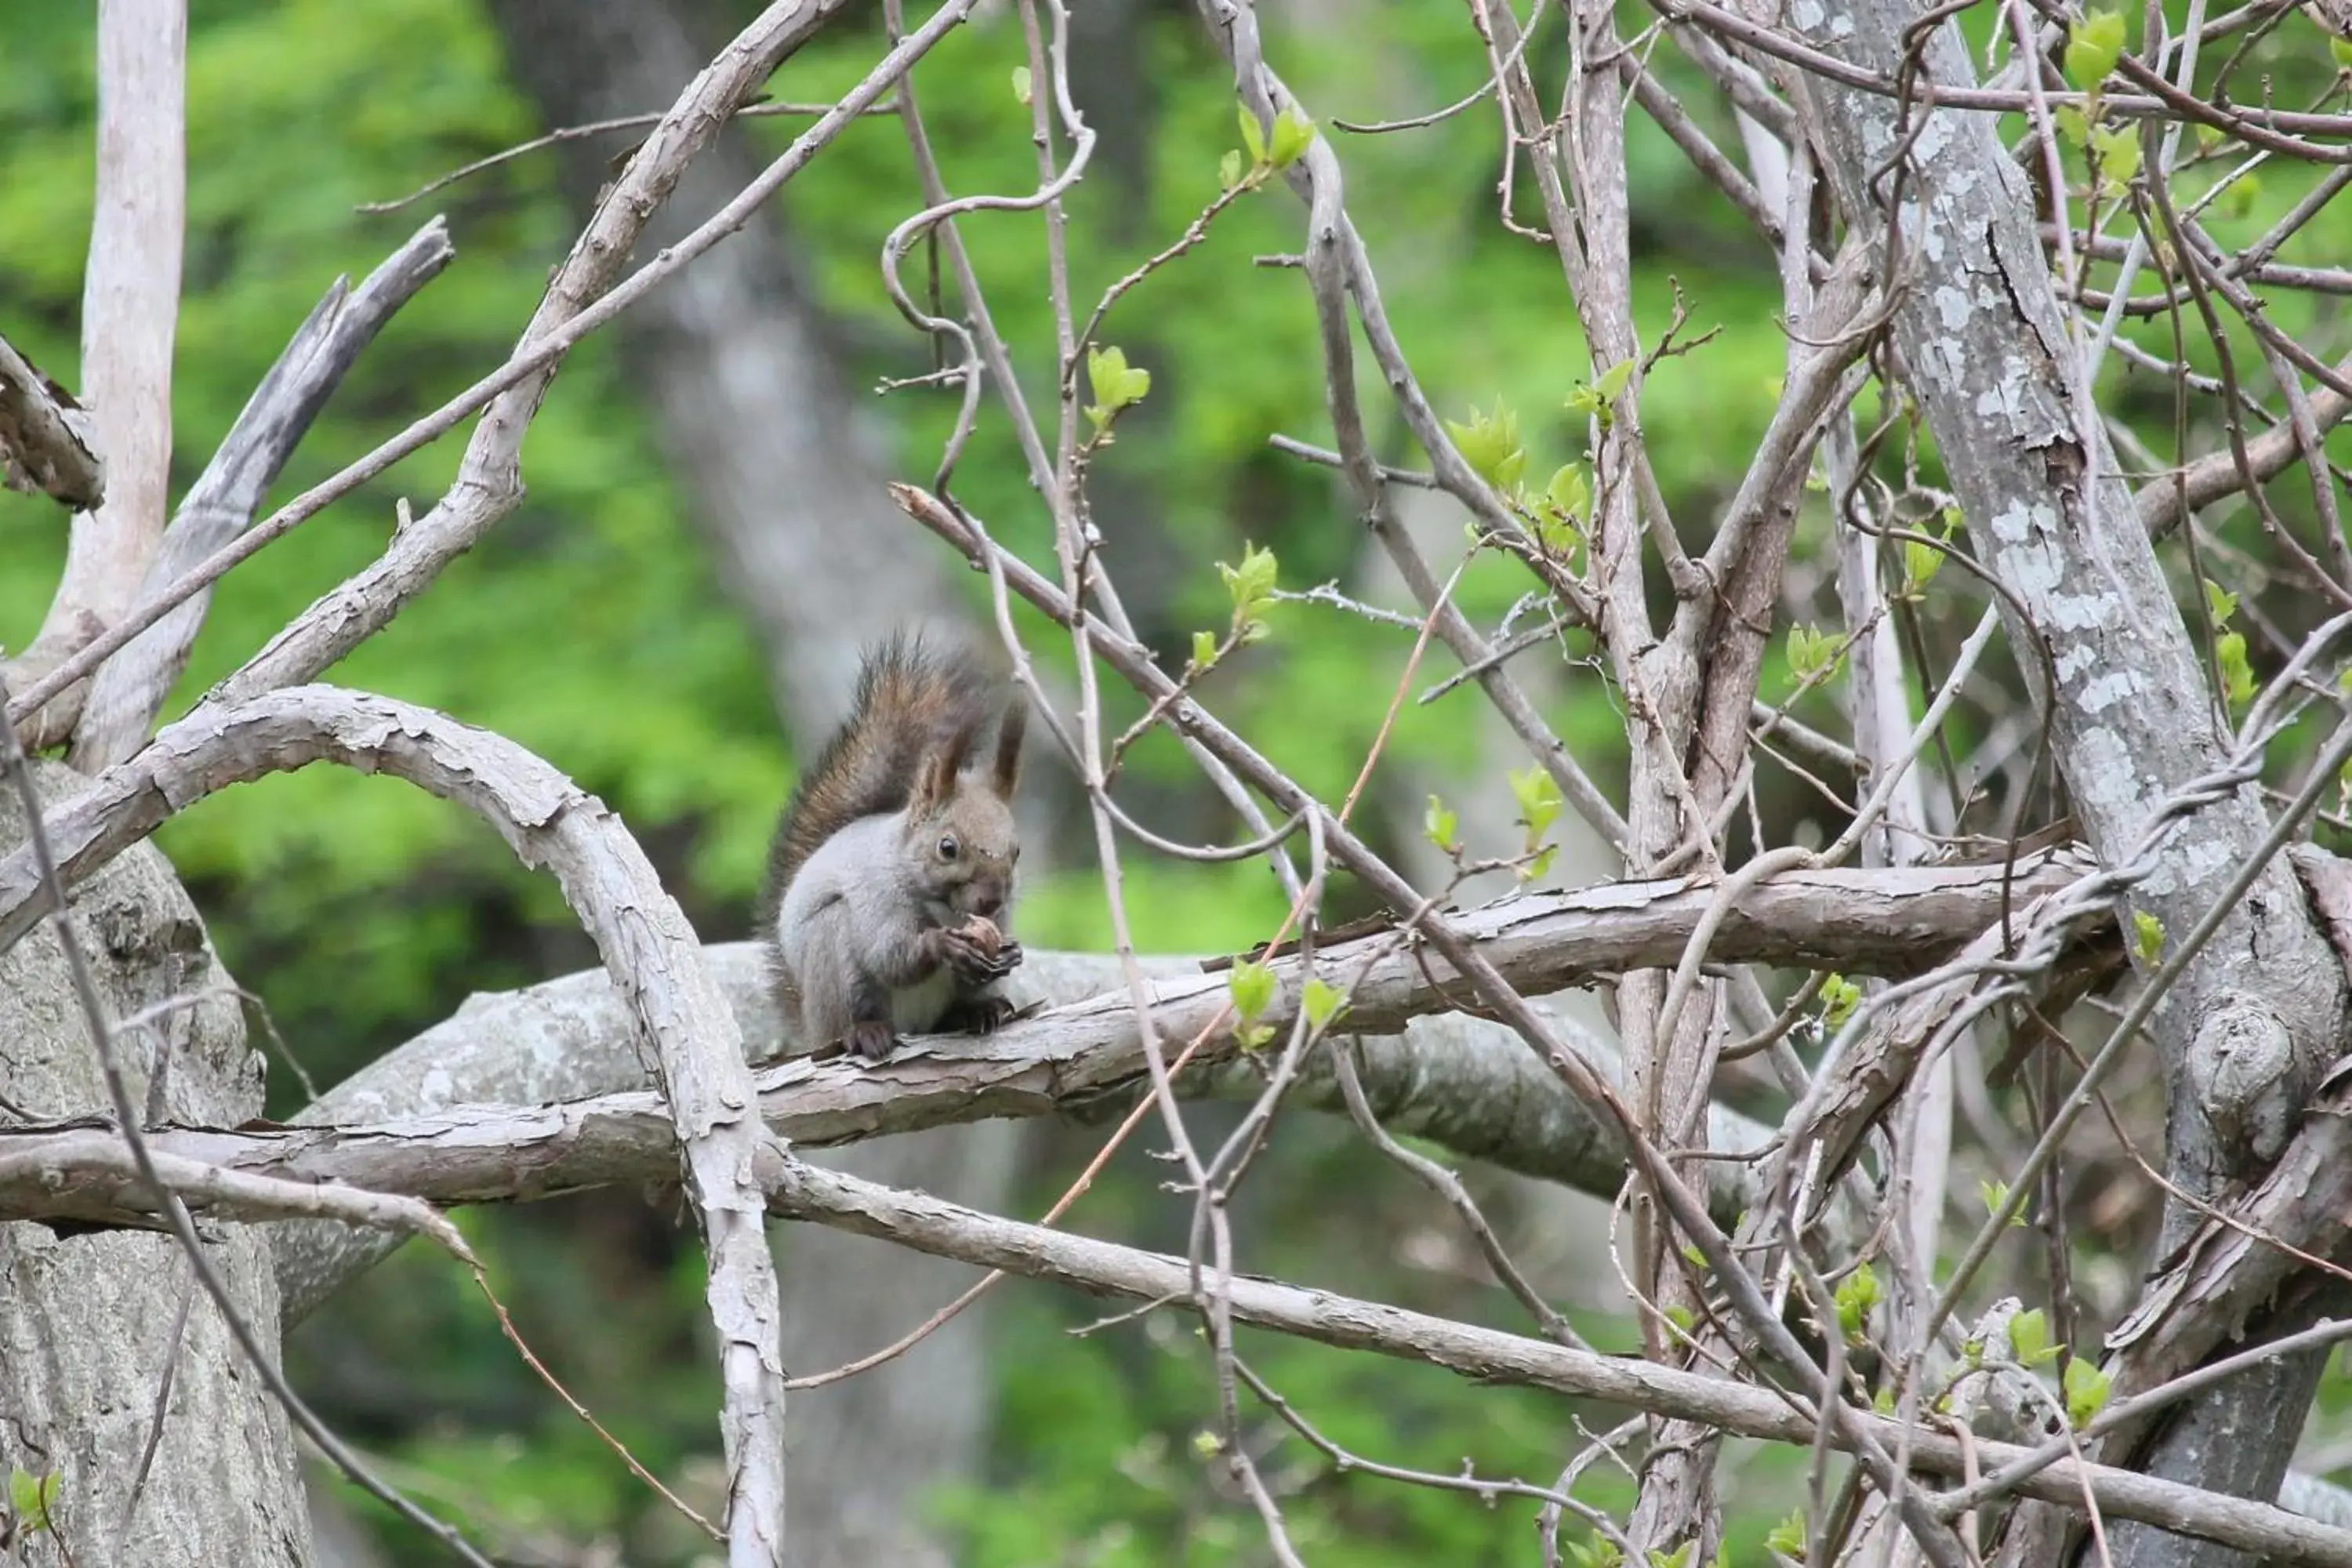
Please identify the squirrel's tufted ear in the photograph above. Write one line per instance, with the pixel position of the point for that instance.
(1004, 772)
(935, 779)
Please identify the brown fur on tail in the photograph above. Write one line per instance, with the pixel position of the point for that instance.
(916, 707)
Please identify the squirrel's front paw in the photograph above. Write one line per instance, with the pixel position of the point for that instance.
(871, 1038)
(977, 952)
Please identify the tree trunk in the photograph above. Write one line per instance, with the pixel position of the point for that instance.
(101, 1334)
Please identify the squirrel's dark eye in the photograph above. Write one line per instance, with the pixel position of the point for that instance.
(948, 847)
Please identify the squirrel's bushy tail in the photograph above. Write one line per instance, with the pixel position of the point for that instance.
(910, 697)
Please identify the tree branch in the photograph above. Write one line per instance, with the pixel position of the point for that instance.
(799, 1191)
(129, 687)
(2162, 503)
(46, 440)
(129, 314)
(1460, 1081)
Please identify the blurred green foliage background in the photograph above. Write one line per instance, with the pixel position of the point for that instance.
(588, 628)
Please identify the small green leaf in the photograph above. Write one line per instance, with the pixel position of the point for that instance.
(1787, 1537)
(1570, 491)
(2092, 47)
(1293, 134)
(2029, 1336)
(33, 1499)
(2148, 937)
(1539, 798)
(1442, 826)
(2220, 603)
(1680, 1317)
(1559, 516)
(1229, 169)
(1562, 511)
(1116, 385)
(1490, 445)
(1021, 84)
(1695, 1258)
(1678, 1558)
(1921, 561)
(1539, 864)
(1883, 1402)
(1594, 399)
(1252, 137)
(1840, 997)
(1249, 584)
(1600, 1553)
(2237, 673)
(1813, 654)
(1322, 1002)
(1207, 1444)
(2085, 1388)
(2118, 153)
(1251, 985)
(1257, 1036)
(1857, 1294)
(1204, 650)
(2340, 50)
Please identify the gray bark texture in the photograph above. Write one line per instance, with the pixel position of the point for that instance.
(1995, 372)
(93, 1347)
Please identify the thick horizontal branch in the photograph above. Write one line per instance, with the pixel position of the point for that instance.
(799, 1191)
(1077, 1053)
(1461, 1082)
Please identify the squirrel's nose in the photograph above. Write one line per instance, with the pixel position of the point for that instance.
(987, 901)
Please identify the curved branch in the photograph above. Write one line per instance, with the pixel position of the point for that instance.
(683, 1026)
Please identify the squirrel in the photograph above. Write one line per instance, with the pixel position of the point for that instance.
(890, 880)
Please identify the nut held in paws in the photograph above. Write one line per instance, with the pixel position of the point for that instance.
(982, 930)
